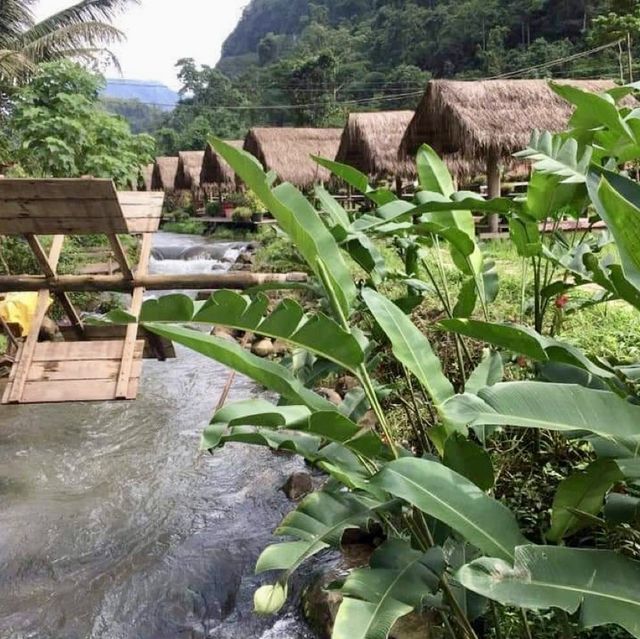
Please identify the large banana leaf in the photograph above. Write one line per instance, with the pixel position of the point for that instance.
(410, 346)
(451, 498)
(319, 522)
(316, 333)
(395, 584)
(526, 341)
(582, 492)
(556, 155)
(617, 201)
(433, 174)
(273, 376)
(602, 584)
(357, 180)
(559, 407)
(330, 426)
(297, 218)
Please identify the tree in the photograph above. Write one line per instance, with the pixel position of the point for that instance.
(79, 31)
(58, 128)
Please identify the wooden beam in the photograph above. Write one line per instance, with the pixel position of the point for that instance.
(98, 283)
(493, 188)
(121, 256)
(126, 366)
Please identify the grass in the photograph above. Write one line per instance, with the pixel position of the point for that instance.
(185, 227)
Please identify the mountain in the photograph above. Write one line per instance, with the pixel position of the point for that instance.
(149, 93)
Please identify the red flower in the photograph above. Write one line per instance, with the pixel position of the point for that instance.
(561, 301)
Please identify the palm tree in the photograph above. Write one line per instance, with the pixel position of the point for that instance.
(82, 30)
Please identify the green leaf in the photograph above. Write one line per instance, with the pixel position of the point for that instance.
(327, 425)
(622, 509)
(433, 174)
(553, 154)
(469, 460)
(489, 371)
(296, 217)
(525, 237)
(357, 180)
(318, 522)
(332, 208)
(467, 299)
(409, 346)
(317, 333)
(630, 467)
(602, 584)
(395, 584)
(273, 376)
(267, 600)
(584, 491)
(451, 498)
(617, 201)
(558, 407)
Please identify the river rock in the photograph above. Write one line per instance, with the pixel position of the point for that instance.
(224, 333)
(263, 348)
(298, 485)
(280, 348)
(330, 394)
(246, 258)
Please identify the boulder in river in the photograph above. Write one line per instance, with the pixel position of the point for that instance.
(224, 333)
(298, 485)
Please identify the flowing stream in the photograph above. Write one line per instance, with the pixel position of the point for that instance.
(114, 526)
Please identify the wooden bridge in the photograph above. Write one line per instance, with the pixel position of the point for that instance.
(93, 363)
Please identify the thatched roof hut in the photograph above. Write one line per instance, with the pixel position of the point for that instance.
(146, 173)
(370, 143)
(288, 151)
(189, 168)
(164, 173)
(215, 169)
(484, 118)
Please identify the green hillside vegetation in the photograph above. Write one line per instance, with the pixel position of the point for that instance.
(325, 58)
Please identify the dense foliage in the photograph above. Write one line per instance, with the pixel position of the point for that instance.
(451, 545)
(56, 127)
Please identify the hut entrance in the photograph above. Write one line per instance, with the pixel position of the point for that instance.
(93, 363)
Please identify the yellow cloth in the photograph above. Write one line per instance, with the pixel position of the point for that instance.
(19, 308)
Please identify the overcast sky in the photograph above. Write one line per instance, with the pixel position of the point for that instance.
(159, 32)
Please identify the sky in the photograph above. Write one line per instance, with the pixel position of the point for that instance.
(159, 32)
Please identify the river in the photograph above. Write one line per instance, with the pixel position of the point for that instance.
(114, 526)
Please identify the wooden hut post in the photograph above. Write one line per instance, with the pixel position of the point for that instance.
(399, 186)
(493, 188)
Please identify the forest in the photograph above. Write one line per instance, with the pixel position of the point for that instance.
(322, 59)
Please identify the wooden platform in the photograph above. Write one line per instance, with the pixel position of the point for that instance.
(93, 366)
(74, 372)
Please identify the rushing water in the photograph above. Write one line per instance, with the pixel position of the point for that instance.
(114, 526)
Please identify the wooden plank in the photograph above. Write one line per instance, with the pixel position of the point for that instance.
(136, 307)
(24, 363)
(101, 369)
(81, 351)
(72, 225)
(57, 189)
(121, 256)
(75, 391)
(48, 263)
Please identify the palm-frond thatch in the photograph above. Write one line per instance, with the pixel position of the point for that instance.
(189, 168)
(288, 151)
(370, 143)
(146, 173)
(215, 169)
(164, 174)
(479, 119)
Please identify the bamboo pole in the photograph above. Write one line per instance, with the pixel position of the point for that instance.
(99, 283)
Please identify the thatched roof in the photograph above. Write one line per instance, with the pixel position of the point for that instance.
(189, 168)
(477, 118)
(146, 172)
(287, 151)
(164, 173)
(215, 169)
(370, 143)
